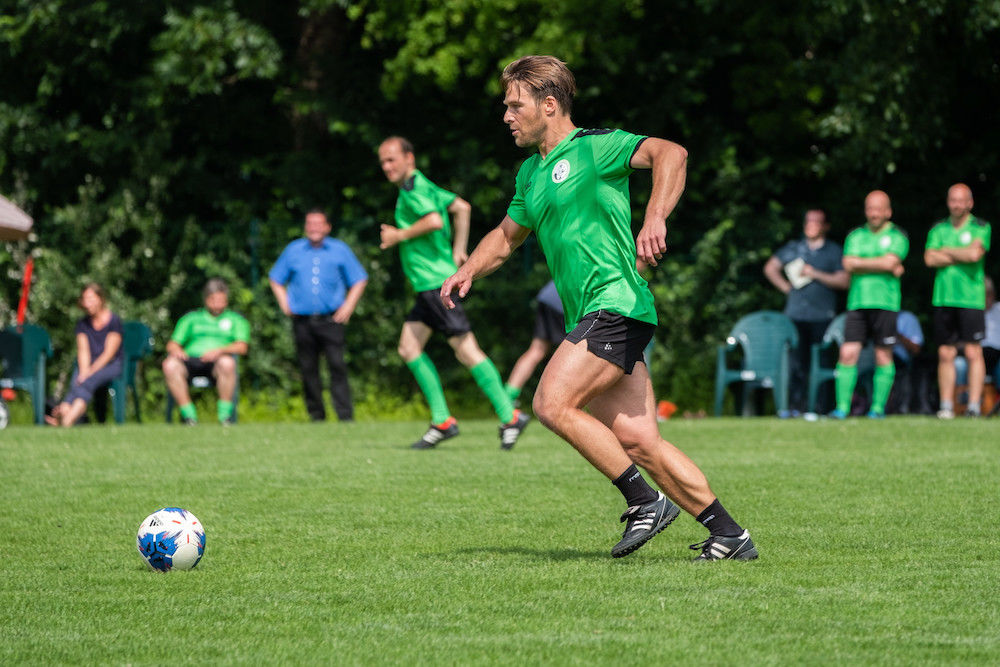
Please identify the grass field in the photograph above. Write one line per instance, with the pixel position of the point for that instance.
(336, 544)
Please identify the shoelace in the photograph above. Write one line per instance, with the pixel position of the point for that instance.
(702, 546)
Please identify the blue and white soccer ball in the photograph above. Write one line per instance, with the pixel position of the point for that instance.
(171, 539)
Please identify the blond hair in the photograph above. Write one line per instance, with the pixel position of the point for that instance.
(543, 76)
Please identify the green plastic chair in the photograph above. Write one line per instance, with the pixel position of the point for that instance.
(137, 344)
(765, 337)
(818, 373)
(24, 353)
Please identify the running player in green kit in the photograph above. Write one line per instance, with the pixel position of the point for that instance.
(431, 251)
(873, 255)
(573, 193)
(956, 247)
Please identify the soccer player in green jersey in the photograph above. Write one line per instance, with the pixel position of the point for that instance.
(573, 193)
(206, 342)
(956, 247)
(873, 255)
(430, 252)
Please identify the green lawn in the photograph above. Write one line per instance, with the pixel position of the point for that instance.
(337, 544)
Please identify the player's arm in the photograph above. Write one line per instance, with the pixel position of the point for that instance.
(281, 294)
(491, 252)
(392, 235)
(888, 263)
(461, 214)
(964, 255)
(773, 272)
(668, 162)
(238, 347)
(174, 349)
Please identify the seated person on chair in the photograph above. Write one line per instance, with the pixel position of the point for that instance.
(204, 342)
(98, 356)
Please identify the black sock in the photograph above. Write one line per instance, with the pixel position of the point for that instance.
(635, 489)
(717, 520)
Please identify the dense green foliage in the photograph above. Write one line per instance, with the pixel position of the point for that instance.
(337, 545)
(157, 144)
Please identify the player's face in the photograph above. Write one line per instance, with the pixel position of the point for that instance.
(523, 116)
(959, 201)
(396, 164)
(90, 302)
(317, 227)
(217, 302)
(877, 209)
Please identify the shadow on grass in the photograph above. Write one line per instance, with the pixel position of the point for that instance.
(541, 554)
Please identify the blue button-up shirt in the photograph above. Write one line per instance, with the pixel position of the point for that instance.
(317, 279)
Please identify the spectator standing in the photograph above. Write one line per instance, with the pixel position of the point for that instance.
(873, 255)
(318, 282)
(808, 271)
(98, 356)
(206, 342)
(956, 247)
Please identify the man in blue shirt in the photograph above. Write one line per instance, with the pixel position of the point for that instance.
(318, 282)
(808, 271)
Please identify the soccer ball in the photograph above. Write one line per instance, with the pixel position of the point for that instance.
(171, 539)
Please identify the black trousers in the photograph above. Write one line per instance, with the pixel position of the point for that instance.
(798, 394)
(313, 334)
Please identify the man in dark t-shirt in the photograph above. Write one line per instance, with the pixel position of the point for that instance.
(808, 271)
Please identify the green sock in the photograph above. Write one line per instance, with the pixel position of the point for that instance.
(430, 384)
(512, 392)
(224, 409)
(189, 412)
(487, 377)
(847, 377)
(881, 386)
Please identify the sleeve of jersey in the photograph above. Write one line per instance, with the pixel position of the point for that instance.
(850, 245)
(420, 203)
(987, 233)
(613, 151)
(281, 271)
(241, 330)
(900, 246)
(517, 211)
(180, 334)
(933, 239)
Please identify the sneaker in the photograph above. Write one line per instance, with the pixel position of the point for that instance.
(436, 433)
(875, 414)
(509, 433)
(644, 521)
(973, 413)
(838, 414)
(717, 547)
(188, 421)
(945, 413)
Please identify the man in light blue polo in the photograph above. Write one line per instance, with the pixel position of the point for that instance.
(318, 282)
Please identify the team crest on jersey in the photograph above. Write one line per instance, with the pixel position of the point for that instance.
(225, 325)
(965, 238)
(885, 242)
(560, 172)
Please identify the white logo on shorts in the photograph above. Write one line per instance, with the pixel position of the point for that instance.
(607, 346)
(560, 172)
(965, 238)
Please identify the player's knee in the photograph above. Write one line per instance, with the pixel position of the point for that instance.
(225, 365)
(546, 410)
(172, 366)
(947, 353)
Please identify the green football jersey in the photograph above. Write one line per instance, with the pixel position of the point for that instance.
(427, 260)
(576, 200)
(960, 285)
(875, 290)
(199, 331)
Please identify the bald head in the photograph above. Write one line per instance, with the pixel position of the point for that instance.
(959, 203)
(878, 209)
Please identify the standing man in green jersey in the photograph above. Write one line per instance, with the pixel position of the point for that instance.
(873, 255)
(430, 252)
(206, 342)
(956, 247)
(573, 193)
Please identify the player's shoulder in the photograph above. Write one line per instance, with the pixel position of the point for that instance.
(592, 132)
(855, 232)
(896, 229)
(980, 223)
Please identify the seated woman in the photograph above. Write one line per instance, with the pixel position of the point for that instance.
(98, 356)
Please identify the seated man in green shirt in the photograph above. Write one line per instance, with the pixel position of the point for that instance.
(204, 342)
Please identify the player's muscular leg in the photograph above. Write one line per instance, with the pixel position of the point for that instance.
(977, 371)
(628, 409)
(467, 349)
(571, 380)
(412, 340)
